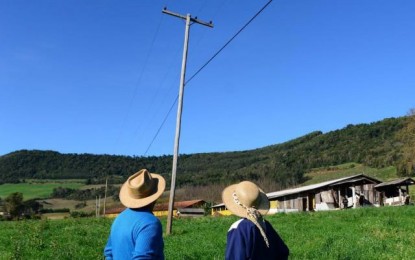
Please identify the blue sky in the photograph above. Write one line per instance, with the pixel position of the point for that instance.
(100, 76)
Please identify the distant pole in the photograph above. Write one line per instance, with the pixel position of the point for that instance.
(188, 19)
(99, 206)
(96, 206)
(105, 195)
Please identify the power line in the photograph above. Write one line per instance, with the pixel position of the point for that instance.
(228, 42)
(202, 67)
(140, 76)
(162, 124)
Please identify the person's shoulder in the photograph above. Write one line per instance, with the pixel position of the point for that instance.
(149, 218)
(235, 224)
(242, 223)
(269, 225)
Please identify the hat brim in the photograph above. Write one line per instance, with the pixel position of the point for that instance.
(237, 210)
(134, 203)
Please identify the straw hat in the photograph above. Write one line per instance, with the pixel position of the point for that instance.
(141, 189)
(244, 195)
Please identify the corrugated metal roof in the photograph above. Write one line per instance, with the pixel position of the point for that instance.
(179, 204)
(218, 205)
(401, 181)
(282, 193)
(363, 178)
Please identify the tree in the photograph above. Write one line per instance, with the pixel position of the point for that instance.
(14, 204)
(406, 166)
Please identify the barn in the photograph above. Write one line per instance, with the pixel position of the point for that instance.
(395, 192)
(181, 208)
(348, 192)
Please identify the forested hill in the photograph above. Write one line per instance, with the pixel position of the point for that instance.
(377, 144)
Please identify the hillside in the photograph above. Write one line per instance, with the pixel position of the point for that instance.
(376, 145)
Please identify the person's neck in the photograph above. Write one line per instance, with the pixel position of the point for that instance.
(148, 208)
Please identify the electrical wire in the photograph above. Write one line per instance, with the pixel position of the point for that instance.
(202, 67)
(147, 57)
(227, 43)
(161, 126)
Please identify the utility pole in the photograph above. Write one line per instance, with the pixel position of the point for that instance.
(96, 206)
(105, 196)
(99, 206)
(188, 19)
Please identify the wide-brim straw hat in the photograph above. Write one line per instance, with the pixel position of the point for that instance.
(249, 195)
(141, 189)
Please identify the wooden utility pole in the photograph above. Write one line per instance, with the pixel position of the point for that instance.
(99, 206)
(96, 206)
(105, 196)
(188, 19)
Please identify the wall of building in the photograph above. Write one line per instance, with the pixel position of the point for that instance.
(164, 213)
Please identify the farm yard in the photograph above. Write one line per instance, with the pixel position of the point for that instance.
(363, 233)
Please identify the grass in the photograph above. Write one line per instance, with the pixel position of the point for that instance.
(322, 174)
(55, 215)
(365, 233)
(33, 190)
(64, 181)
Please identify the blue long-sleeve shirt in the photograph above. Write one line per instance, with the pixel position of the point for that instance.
(135, 234)
(244, 241)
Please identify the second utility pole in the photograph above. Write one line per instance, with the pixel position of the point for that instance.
(188, 19)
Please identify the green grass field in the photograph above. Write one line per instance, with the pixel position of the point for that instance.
(365, 233)
(32, 190)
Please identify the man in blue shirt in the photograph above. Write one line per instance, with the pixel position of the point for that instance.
(251, 237)
(136, 233)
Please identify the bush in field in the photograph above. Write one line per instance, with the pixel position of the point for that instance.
(81, 214)
(16, 208)
(80, 205)
(13, 204)
(63, 210)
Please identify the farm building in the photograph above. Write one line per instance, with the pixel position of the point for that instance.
(189, 208)
(348, 192)
(395, 192)
(220, 210)
(181, 208)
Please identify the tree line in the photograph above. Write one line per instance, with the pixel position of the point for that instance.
(389, 142)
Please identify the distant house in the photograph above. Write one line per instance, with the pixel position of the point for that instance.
(348, 192)
(189, 208)
(395, 192)
(220, 210)
(180, 208)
